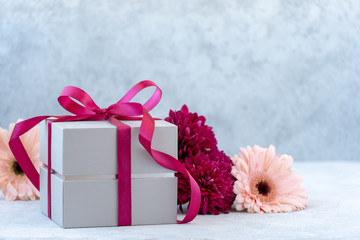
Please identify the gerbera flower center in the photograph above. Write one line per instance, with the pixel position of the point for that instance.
(16, 169)
(263, 187)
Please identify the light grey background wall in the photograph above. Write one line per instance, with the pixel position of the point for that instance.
(262, 72)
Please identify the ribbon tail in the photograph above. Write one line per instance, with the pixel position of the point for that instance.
(19, 151)
(170, 162)
(145, 137)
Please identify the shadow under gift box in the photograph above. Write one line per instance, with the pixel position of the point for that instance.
(84, 189)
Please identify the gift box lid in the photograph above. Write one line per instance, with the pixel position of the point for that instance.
(89, 147)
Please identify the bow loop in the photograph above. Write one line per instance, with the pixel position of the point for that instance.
(66, 101)
(123, 107)
(153, 100)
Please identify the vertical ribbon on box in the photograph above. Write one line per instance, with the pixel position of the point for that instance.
(124, 172)
(49, 171)
(122, 110)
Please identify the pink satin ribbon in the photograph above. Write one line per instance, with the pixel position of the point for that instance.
(122, 110)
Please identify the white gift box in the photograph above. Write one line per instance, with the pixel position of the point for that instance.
(84, 189)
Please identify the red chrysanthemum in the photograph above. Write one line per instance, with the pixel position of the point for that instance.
(210, 167)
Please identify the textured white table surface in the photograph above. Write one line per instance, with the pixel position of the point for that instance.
(333, 213)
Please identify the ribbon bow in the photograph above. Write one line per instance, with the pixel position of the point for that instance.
(122, 110)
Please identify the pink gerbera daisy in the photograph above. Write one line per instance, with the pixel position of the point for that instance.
(13, 181)
(266, 183)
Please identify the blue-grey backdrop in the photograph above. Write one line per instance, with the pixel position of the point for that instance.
(262, 72)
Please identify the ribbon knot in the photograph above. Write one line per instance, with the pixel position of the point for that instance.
(104, 112)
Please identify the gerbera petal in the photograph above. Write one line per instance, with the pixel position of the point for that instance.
(239, 207)
(269, 156)
(9, 196)
(256, 208)
(22, 189)
(286, 161)
(12, 126)
(10, 189)
(4, 140)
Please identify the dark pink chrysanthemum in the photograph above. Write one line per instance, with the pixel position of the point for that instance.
(194, 135)
(210, 167)
(212, 174)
